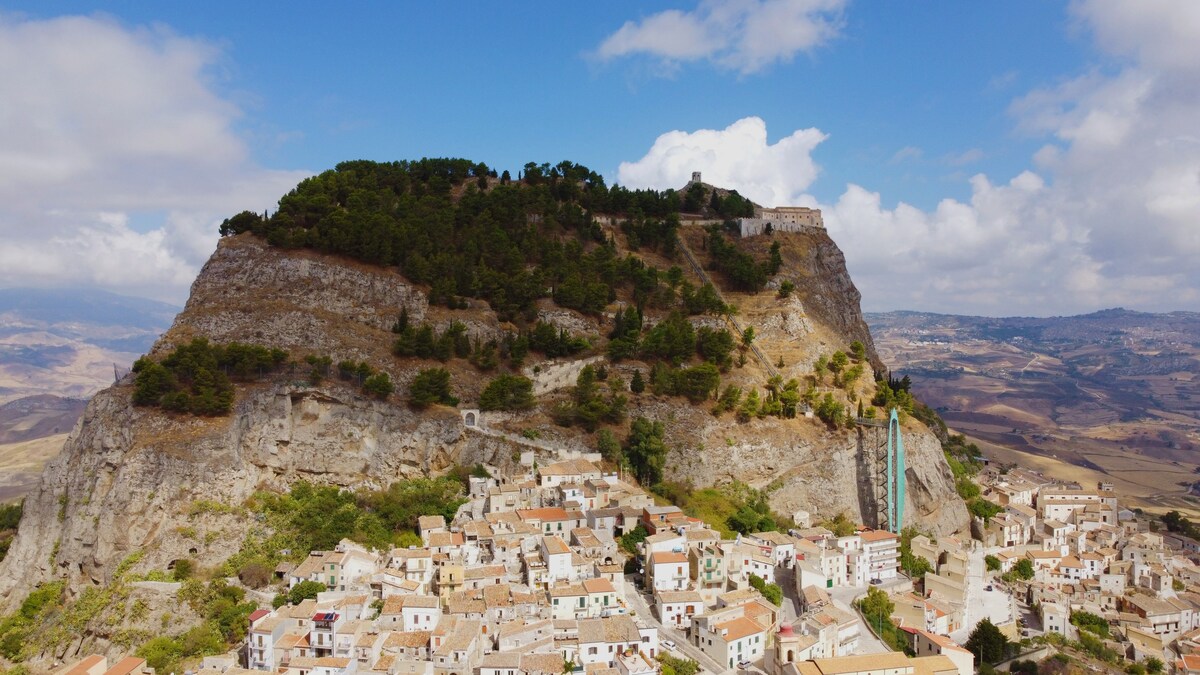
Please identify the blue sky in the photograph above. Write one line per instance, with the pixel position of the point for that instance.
(510, 83)
(939, 132)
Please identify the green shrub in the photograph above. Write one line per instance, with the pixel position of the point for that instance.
(305, 590)
(636, 384)
(379, 385)
(677, 665)
(196, 377)
(1092, 623)
(987, 642)
(967, 488)
(255, 574)
(431, 386)
(1023, 569)
(589, 407)
(772, 592)
(877, 608)
(507, 392)
(161, 653)
(982, 508)
(183, 569)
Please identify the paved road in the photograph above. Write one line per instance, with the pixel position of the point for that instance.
(843, 598)
(790, 610)
(996, 604)
(637, 602)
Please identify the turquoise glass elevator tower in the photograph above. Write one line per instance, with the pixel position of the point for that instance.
(894, 474)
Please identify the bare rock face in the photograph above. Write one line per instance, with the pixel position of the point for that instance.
(295, 300)
(804, 466)
(132, 479)
(138, 479)
(831, 298)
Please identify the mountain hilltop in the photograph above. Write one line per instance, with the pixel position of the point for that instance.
(372, 275)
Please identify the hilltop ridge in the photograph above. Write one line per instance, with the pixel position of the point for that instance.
(130, 478)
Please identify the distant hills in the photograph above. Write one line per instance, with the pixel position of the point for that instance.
(57, 348)
(33, 417)
(1113, 393)
(64, 342)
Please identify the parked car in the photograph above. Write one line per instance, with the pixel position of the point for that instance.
(669, 644)
(744, 665)
(989, 587)
(877, 581)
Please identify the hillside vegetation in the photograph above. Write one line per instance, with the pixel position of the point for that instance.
(451, 224)
(308, 391)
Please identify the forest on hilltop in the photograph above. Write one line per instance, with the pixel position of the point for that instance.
(455, 225)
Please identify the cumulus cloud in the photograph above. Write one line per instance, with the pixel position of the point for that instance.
(742, 35)
(1108, 214)
(737, 156)
(1161, 34)
(117, 157)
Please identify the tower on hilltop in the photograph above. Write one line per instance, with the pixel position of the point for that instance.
(695, 177)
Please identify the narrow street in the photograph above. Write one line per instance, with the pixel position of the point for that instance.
(638, 604)
(996, 605)
(843, 598)
(790, 610)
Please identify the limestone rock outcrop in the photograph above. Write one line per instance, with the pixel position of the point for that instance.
(138, 479)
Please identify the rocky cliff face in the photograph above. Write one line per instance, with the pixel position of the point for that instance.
(138, 479)
(804, 466)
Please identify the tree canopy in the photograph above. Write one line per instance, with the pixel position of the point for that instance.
(197, 377)
(987, 643)
(443, 222)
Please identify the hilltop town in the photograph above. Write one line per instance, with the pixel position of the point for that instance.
(240, 490)
(567, 568)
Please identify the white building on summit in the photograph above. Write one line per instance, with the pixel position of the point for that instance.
(781, 219)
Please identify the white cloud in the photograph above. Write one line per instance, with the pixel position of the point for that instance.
(737, 156)
(1110, 219)
(1159, 34)
(908, 152)
(742, 35)
(1108, 215)
(102, 125)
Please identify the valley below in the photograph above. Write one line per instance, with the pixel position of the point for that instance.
(1109, 396)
